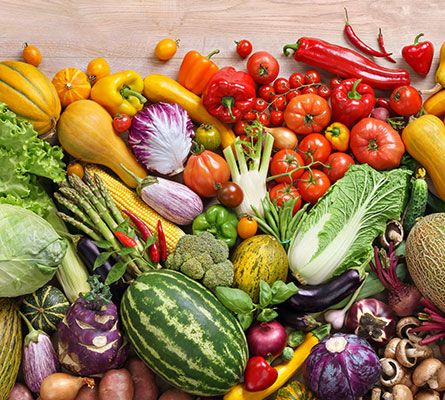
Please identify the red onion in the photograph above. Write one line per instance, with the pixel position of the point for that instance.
(266, 338)
(380, 113)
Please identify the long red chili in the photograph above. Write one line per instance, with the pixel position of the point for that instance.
(127, 241)
(162, 241)
(382, 46)
(346, 63)
(357, 42)
(145, 231)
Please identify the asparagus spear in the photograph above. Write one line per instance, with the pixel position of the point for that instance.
(74, 209)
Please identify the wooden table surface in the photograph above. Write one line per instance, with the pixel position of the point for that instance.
(72, 32)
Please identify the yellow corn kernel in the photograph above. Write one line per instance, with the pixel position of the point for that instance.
(127, 199)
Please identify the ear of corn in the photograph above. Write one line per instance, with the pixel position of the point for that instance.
(127, 199)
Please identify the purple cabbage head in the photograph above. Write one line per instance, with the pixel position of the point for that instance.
(342, 367)
(161, 137)
(90, 341)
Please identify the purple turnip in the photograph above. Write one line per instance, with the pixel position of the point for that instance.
(380, 113)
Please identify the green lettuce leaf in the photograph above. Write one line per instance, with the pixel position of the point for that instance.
(337, 233)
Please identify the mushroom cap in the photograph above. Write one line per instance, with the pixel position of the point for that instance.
(441, 379)
(402, 353)
(401, 392)
(403, 327)
(390, 349)
(427, 395)
(392, 372)
(426, 370)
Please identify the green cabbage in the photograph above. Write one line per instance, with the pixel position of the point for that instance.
(337, 233)
(30, 251)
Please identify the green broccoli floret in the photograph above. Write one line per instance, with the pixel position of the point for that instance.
(203, 257)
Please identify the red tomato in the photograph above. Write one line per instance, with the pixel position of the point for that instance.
(281, 85)
(204, 171)
(276, 118)
(230, 194)
(313, 185)
(266, 92)
(264, 119)
(279, 102)
(291, 95)
(309, 90)
(283, 193)
(334, 82)
(405, 100)
(296, 80)
(315, 147)
(239, 127)
(259, 104)
(376, 143)
(338, 164)
(121, 123)
(249, 116)
(286, 160)
(243, 48)
(263, 67)
(324, 91)
(312, 76)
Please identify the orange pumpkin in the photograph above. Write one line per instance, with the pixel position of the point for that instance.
(71, 84)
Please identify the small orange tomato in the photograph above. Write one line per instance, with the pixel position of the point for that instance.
(247, 227)
(31, 55)
(166, 49)
(97, 68)
(75, 169)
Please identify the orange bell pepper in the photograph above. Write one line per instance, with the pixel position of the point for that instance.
(196, 70)
(338, 135)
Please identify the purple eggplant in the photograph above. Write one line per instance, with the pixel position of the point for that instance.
(90, 340)
(291, 318)
(342, 367)
(317, 298)
(39, 357)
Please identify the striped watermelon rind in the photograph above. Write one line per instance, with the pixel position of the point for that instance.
(184, 333)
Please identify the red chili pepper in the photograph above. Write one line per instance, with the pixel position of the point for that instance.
(357, 42)
(382, 46)
(419, 55)
(162, 241)
(229, 94)
(145, 231)
(351, 101)
(346, 63)
(127, 241)
(259, 374)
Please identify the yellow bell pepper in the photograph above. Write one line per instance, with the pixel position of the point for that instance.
(285, 371)
(120, 93)
(439, 77)
(338, 136)
(162, 88)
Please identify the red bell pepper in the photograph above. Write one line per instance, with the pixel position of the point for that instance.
(419, 55)
(229, 94)
(259, 374)
(351, 101)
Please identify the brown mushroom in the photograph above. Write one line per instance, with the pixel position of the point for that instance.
(376, 393)
(427, 373)
(407, 381)
(392, 372)
(427, 395)
(390, 349)
(403, 329)
(407, 353)
(441, 379)
(399, 392)
(393, 234)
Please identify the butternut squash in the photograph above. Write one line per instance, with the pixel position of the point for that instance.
(29, 94)
(424, 139)
(85, 131)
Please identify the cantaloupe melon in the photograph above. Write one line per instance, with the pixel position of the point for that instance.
(425, 257)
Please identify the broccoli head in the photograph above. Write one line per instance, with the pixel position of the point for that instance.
(203, 258)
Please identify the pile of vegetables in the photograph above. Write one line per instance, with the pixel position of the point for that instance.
(216, 235)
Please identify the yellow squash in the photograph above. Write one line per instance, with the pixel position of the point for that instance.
(435, 104)
(162, 88)
(86, 132)
(424, 139)
(29, 94)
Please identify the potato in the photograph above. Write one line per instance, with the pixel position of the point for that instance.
(20, 392)
(175, 394)
(116, 384)
(86, 393)
(144, 380)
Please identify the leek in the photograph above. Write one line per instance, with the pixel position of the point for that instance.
(251, 173)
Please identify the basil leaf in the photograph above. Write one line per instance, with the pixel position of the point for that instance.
(265, 294)
(235, 300)
(266, 315)
(103, 244)
(101, 259)
(126, 251)
(281, 292)
(116, 273)
(245, 320)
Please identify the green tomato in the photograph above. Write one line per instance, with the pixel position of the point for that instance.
(208, 136)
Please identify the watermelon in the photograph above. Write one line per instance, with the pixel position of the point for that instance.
(184, 334)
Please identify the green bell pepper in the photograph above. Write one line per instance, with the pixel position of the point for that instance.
(219, 221)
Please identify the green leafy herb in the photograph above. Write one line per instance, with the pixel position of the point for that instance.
(235, 300)
(117, 272)
(281, 291)
(245, 320)
(265, 294)
(266, 315)
(102, 258)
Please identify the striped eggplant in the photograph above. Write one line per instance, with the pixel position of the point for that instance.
(39, 358)
(184, 333)
(173, 200)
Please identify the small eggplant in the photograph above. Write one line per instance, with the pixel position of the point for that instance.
(290, 317)
(39, 358)
(317, 298)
